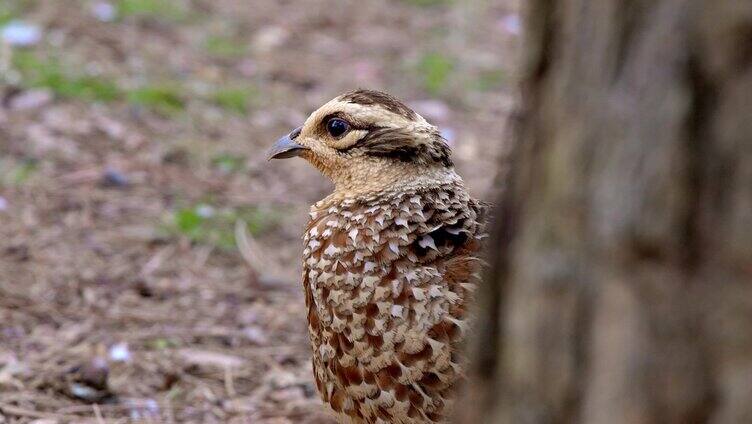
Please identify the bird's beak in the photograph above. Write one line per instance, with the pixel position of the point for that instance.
(286, 147)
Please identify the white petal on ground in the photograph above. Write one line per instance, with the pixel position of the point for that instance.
(20, 33)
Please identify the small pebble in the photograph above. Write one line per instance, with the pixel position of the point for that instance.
(205, 211)
(114, 178)
(119, 352)
(20, 33)
(3, 204)
(84, 392)
(104, 11)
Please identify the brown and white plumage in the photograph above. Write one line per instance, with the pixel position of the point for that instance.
(389, 261)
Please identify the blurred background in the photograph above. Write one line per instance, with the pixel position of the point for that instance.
(132, 140)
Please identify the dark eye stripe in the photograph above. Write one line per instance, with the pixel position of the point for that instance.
(399, 144)
(369, 130)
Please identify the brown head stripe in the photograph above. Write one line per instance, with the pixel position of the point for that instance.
(402, 145)
(371, 97)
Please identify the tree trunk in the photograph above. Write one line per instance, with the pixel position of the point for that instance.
(621, 281)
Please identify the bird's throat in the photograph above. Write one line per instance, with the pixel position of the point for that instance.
(370, 179)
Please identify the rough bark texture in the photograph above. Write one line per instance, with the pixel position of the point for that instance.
(621, 281)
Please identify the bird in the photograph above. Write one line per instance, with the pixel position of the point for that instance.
(390, 260)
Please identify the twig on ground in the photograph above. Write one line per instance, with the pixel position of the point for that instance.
(23, 412)
(229, 383)
(97, 413)
(156, 261)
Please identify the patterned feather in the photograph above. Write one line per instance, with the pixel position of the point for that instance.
(388, 274)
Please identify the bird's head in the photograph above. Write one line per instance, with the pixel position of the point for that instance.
(368, 141)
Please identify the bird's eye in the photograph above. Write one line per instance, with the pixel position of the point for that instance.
(336, 127)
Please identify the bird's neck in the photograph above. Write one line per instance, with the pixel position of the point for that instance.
(376, 179)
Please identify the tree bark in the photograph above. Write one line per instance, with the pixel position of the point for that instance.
(621, 280)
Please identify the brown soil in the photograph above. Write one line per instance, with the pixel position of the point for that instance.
(109, 311)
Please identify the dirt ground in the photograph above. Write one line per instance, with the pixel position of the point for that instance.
(132, 139)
